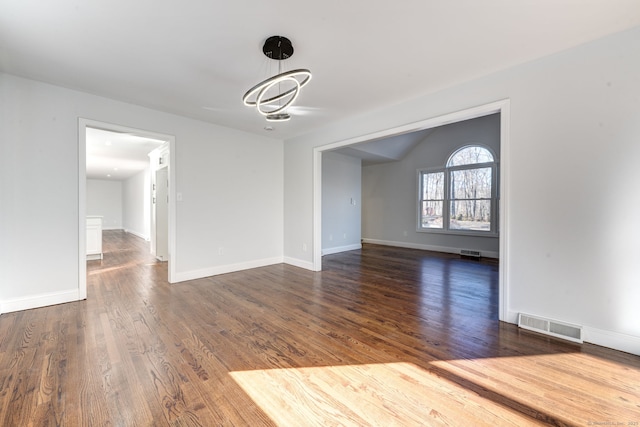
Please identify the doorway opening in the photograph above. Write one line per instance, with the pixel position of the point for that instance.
(500, 107)
(116, 163)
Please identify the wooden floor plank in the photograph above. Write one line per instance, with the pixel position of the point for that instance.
(383, 336)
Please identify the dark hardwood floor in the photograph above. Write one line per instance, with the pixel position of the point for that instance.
(383, 336)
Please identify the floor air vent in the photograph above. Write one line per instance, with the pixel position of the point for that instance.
(550, 327)
(469, 252)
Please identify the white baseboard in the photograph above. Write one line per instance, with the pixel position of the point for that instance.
(615, 340)
(512, 317)
(135, 233)
(434, 248)
(223, 269)
(113, 227)
(37, 301)
(299, 263)
(609, 339)
(338, 249)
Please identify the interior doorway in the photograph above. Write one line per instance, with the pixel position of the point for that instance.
(141, 143)
(501, 107)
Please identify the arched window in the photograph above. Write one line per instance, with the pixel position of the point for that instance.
(462, 197)
(470, 155)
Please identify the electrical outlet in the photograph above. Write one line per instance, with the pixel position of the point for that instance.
(220, 251)
(304, 247)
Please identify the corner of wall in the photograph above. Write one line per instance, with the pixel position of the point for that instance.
(224, 269)
(299, 263)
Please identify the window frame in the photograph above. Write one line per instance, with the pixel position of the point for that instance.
(448, 199)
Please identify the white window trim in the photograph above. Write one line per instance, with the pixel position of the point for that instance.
(495, 196)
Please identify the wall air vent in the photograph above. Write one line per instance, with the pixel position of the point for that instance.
(469, 252)
(550, 327)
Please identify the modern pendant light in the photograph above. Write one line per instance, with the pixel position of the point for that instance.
(274, 95)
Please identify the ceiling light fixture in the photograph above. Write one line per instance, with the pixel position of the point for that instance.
(278, 117)
(274, 95)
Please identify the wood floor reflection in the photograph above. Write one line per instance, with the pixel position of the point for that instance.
(383, 336)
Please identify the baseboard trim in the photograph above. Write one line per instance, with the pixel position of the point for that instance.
(614, 340)
(434, 248)
(223, 269)
(38, 301)
(135, 233)
(299, 263)
(338, 249)
(512, 317)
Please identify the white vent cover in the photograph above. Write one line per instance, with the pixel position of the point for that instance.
(469, 252)
(550, 327)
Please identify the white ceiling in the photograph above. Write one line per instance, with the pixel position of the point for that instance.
(387, 149)
(117, 156)
(179, 57)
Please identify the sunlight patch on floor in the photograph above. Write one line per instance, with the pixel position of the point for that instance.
(100, 270)
(386, 394)
(575, 385)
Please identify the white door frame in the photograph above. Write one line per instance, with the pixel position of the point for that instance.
(502, 107)
(82, 194)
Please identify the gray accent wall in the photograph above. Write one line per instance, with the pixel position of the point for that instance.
(390, 190)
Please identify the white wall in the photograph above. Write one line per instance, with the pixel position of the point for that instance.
(298, 214)
(572, 180)
(122, 204)
(104, 198)
(231, 182)
(341, 201)
(390, 190)
(136, 203)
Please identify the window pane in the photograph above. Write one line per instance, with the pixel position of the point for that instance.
(431, 214)
(471, 183)
(470, 215)
(433, 186)
(470, 156)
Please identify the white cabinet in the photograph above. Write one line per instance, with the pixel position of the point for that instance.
(94, 237)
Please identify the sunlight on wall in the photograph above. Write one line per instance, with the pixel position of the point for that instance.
(619, 252)
(623, 291)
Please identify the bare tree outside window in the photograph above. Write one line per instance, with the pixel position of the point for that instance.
(463, 193)
(470, 156)
(432, 199)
